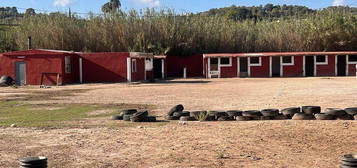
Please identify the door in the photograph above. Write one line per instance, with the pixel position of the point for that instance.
(214, 68)
(20, 73)
(158, 68)
(243, 67)
(341, 65)
(309, 66)
(276, 65)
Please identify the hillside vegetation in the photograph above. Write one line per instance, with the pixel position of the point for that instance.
(295, 28)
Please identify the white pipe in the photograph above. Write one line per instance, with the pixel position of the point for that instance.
(184, 72)
(80, 70)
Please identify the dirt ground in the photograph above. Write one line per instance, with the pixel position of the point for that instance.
(282, 144)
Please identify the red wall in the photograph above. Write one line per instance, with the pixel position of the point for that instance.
(295, 70)
(35, 66)
(352, 69)
(261, 71)
(327, 70)
(104, 67)
(230, 72)
(140, 70)
(193, 63)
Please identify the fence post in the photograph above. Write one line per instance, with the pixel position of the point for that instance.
(184, 72)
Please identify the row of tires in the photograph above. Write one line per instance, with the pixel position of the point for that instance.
(349, 161)
(295, 113)
(134, 115)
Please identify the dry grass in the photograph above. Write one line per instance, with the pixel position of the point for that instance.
(253, 144)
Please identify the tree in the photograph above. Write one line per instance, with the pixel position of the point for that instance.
(111, 6)
(30, 12)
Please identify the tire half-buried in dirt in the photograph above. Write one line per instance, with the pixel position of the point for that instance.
(303, 116)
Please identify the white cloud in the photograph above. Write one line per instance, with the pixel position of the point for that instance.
(149, 3)
(62, 3)
(339, 3)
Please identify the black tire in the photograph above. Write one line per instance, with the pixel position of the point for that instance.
(220, 114)
(177, 114)
(243, 118)
(195, 113)
(185, 113)
(150, 119)
(350, 158)
(323, 116)
(171, 118)
(117, 117)
(177, 108)
(129, 111)
(187, 118)
(126, 117)
(289, 112)
(351, 111)
(311, 109)
(281, 117)
(335, 112)
(270, 112)
(224, 118)
(234, 113)
(6, 81)
(266, 117)
(345, 163)
(252, 113)
(345, 117)
(29, 162)
(303, 116)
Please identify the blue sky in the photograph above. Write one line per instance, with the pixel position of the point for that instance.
(84, 6)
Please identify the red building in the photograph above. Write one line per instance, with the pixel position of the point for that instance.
(53, 67)
(283, 64)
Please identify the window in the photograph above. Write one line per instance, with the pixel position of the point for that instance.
(321, 60)
(255, 61)
(352, 59)
(67, 64)
(287, 60)
(227, 61)
(133, 65)
(148, 64)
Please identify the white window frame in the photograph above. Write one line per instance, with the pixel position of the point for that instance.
(287, 64)
(225, 65)
(321, 63)
(67, 64)
(133, 65)
(255, 64)
(350, 62)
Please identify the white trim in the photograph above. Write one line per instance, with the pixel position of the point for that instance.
(80, 70)
(128, 69)
(336, 68)
(303, 66)
(350, 62)
(248, 64)
(347, 66)
(226, 65)
(271, 66)
(292, 63)
(321, 63)
(162, 68)
(219, 67)
(238, 67)
(281, 67)
(258, 64)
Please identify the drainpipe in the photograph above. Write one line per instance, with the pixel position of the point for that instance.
(29, 42)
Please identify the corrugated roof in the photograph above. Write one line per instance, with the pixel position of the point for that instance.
(263, 54)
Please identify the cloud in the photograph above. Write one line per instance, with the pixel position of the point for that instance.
(149, 3)
(339, 3)
(62, 3)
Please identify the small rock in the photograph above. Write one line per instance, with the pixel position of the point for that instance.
(182, 123)
(13, 125)
(140, 127)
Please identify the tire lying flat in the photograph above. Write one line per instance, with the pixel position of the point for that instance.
(289, 112)
(323, 116)
(252, 113)
(311, 109)
(270, 112)
(303, 116)
(351, 110)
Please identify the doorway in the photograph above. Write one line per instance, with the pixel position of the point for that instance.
(243, 67)
(214, 68)
(309, 66)
(341, 65)
(276, 66)
(158, 69)
(20, 73)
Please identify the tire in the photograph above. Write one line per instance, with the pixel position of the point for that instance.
(117, 117)
(177, 114)
(224, 118)
(234, 113)
(270, 112)
(243, 118)
(303, 116)
(281, 117)
(126, 117)
(171, 118)
(187, 118)
(350, 158)
(195, 113)
(323, 116)
(355, 117)
(185, 113)
(266, 118)
(150, 119)
(345, 163)
(335, 112)
(32, 162)
(220, 114)
(345, 117)
(351, 111)
(311, 109)
(289, 112)
(177, 108)
(252, 113)
(6, 81)
(129, 111)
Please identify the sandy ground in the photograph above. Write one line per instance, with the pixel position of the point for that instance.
(282, 144)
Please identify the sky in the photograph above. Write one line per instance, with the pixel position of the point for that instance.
(85, 6)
